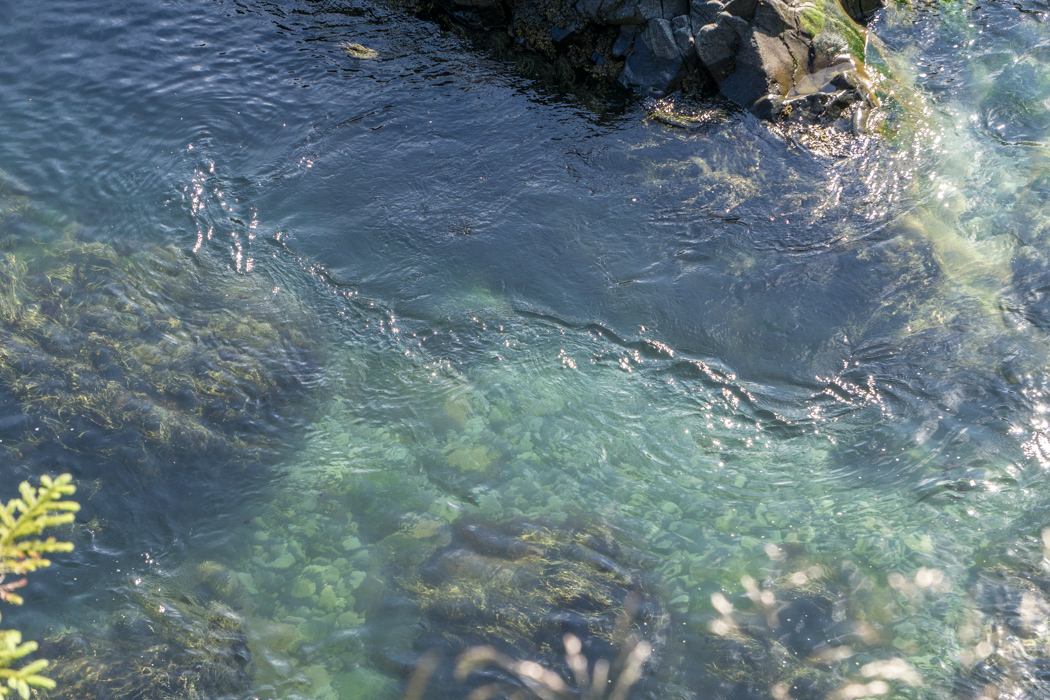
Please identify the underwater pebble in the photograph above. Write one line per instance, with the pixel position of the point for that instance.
(331, 575)
(313, 630)
(327, 600)
(349, 619)
(671, 508)
(490, 504)
(446, 511)
(282, 562)
(699, 569)
(679, 603)
(905, 629)
(365, 684)
(355, 579)
(248, 582)
(278, 636)
(663, 544)
(302, 588)
(317, 675)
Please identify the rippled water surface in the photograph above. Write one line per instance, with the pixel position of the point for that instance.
(359, 358)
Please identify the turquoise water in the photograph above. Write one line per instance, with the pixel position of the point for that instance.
(292, 317)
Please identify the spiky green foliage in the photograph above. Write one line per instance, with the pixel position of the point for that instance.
(22, 521)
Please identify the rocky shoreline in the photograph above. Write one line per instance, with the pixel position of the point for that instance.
(777, 58)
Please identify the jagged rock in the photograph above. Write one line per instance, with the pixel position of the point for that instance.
(624, 40)
(774, 17)
(764, 55)
(683, 35)
(477, 4)
(630, 11)
(659, 34)
(716, 45)
(739, 24)
(702, 13)
(653, 67)
(745, 9)
(674, 8)
(861, 10)
(590, 9)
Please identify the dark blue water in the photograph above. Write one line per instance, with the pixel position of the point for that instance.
(346, 301)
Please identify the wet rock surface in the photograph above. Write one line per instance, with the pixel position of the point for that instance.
(776, 58)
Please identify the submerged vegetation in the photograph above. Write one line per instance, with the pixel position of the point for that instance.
(157, 648)
(556, 510)
(142, 355)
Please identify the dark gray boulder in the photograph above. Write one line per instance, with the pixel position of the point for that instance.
(624, 41)
(702, 12)
(682, 26)
(716, 46)
(674, 8)
(861, 10)
(745, 9)
(774, 17)
(764, 66)
(652, 69)
(768, 56)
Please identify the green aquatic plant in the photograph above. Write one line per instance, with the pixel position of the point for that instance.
(22, 551)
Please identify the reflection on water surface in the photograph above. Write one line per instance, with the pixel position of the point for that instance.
(347, 351)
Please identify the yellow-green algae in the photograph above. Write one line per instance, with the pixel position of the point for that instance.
(143, 353)
(157, 649)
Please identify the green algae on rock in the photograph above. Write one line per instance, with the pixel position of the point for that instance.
(156, 649)
(144, 354)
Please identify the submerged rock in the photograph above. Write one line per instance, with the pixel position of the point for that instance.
(158, 649)
(1009, 645)
(143, 356)
(518, 587)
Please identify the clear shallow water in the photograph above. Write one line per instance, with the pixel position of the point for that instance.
(827, 375)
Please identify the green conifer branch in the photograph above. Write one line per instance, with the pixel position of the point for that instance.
(21, 551)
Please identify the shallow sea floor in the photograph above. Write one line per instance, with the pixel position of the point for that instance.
(352, 354)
